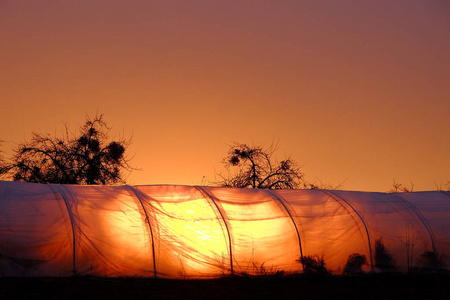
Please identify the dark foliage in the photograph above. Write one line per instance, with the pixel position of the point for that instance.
(383, 258)
(431, 261)
(313, 264)
(3, 164)
(86, 158)
(354, 264)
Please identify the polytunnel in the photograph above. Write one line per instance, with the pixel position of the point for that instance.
(173, 231)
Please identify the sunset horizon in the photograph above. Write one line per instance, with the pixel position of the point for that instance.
(356, 93)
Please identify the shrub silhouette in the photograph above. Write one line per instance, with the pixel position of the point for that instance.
(313, 264)
(431, 261)
(354, 264)
(383, 259)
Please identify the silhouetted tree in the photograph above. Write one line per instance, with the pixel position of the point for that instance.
(355, 262)
(384, 260)
(255, 168)
(3, 164)
(86, 158)
(431, 261)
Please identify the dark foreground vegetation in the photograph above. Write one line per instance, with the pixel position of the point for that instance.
(270, 287)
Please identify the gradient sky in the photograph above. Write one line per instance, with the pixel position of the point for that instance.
(354, 91)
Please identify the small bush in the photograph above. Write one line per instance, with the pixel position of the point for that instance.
(383, 258)
(313, 264)
(431, 261)
(354, 264)
(263, 271)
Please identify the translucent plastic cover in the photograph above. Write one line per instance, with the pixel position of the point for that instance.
(208, 232)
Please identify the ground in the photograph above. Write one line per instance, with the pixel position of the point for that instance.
(288, 287)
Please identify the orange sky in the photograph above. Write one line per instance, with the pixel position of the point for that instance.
(355, 91)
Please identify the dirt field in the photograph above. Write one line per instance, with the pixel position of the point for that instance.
(295, 287)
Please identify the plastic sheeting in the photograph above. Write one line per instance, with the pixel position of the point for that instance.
(208, 232)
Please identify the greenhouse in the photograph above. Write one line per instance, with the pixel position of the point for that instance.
(172, 231)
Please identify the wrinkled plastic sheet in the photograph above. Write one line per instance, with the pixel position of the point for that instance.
(207, 232)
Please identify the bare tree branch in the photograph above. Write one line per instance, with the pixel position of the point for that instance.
(257, 169)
